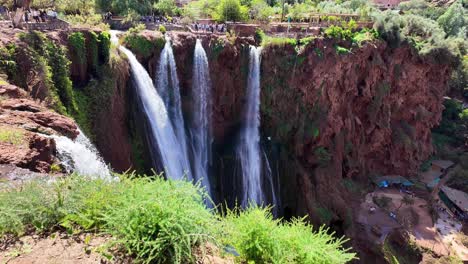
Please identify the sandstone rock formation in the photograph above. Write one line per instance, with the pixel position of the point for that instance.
(24, 127)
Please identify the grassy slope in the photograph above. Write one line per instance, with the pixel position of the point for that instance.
(158, 221)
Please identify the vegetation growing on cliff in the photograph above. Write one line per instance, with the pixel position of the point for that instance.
(141, 44)
(159, 221)
(51, 62)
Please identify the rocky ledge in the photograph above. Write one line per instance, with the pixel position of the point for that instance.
(25, 127)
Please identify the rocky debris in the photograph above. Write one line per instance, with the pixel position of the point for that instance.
(41, 154)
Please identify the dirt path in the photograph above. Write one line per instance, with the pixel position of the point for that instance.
(58, 248)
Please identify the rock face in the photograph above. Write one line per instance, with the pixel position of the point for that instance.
(111, 122)
(24, 124)
(331, 119)
(334, 116)
(349, 116)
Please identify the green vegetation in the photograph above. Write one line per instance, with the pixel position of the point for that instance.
(341, 50)
(324, 215)
(77, 44)
(47, 59)
(452, 128)
(397, 251)
(7, 61)
(159, 221)
(231, 10)
(162, 29)
(92, 48)
(11, 136)
(323, 156)
(140, 44)
(166, 7)
(382, 201)
(104, 47)
(59, 63)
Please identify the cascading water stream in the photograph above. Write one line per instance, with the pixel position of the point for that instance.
(200, 131)
(171, 153)
(81, 156)
(249, 146)
(168, 87)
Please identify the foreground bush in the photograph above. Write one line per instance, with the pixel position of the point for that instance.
(158, 221)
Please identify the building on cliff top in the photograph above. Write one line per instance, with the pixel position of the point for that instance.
(456, 201)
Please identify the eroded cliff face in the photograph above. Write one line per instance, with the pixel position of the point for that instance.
(330, 117)
(24, 129)
(327, 119)
(82, 84)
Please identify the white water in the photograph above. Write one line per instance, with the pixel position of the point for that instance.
(200, 131)
(168, 87)
(81, 156)
(249, 148)
(172, 156)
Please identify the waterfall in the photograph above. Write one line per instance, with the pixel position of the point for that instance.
(249, 146)
(171, 151)
(201, 125)
(81, 156)
(168, 87)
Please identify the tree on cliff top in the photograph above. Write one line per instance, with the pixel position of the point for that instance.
(165, 7)
(231, 10)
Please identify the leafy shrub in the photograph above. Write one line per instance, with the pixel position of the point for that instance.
(421, 8)
(261, 239)
(338, 32)
(341, 50)
(278, 41)
(231, 10)
(104, 47)
(158, 221)
(162, 29)
(137, 29)
(142, 45)
(7, 60)
(454, 21)
(259, 36)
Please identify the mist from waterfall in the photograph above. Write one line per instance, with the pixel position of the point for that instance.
(168, 149)
(248, 150)
(200, 129)
(81, 156)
